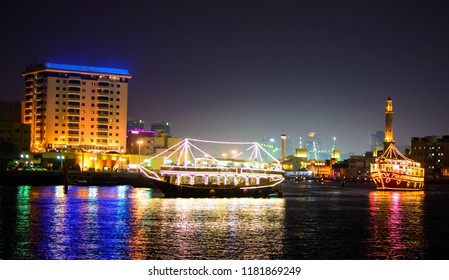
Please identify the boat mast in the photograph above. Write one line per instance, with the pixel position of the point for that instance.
(388, 124)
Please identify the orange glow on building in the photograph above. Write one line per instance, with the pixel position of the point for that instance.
(75, 107)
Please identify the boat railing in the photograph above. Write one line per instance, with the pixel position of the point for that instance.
(237, 170)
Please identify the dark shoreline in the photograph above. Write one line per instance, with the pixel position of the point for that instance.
(46, 178)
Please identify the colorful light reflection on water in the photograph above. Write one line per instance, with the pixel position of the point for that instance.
(311, 221)
(126, 223)
(396, 225)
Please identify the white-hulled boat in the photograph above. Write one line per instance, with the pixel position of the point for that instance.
(206, 176)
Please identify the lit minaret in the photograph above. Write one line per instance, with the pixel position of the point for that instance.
(388, 124)
(284, 143)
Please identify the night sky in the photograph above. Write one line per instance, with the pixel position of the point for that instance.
(244, 70)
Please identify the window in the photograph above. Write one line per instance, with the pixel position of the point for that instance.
(118, 92)
(57, 88)
(118, 106)
(118, 99)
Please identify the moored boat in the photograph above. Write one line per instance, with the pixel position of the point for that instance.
(394, 171)
(206, 176)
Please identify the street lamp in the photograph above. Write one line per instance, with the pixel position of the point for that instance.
(94, 162)
(121, 160)
(24, 158)
(61, 158)
(140, 143)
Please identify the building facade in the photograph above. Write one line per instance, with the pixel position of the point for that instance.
(161, 126)
(135, 125)
(432, 152)
(11, 129)
(76, 108)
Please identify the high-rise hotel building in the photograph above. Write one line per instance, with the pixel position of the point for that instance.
(76, 107)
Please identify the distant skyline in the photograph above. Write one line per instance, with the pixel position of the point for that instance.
(245, 70)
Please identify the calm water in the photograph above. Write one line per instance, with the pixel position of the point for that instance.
(312, 221)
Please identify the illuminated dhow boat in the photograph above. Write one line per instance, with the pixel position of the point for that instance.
(394, 171)
(206, 176)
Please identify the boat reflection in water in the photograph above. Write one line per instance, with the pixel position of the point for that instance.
(126, 223)
(396, 225)
(237, 228)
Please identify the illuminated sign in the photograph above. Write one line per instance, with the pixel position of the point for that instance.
(79, 68)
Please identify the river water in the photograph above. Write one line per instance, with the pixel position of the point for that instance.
(313, 221)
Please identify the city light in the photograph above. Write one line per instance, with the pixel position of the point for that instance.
(61, 158)
(94, 69)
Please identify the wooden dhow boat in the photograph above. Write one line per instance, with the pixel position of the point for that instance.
(394, 171)
(191, 175)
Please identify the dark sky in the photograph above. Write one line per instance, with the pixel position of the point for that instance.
(243, 70)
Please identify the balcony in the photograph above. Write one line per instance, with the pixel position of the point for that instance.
(74, 89)
(103, 120)
(103, 91)
(73, 104)
(103, 113)
(73, 119)
(73, 132)
(72, 96)
(73, 111)
(103, 105)
(102, 127)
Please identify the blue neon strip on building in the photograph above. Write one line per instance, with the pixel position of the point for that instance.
(78, 68)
